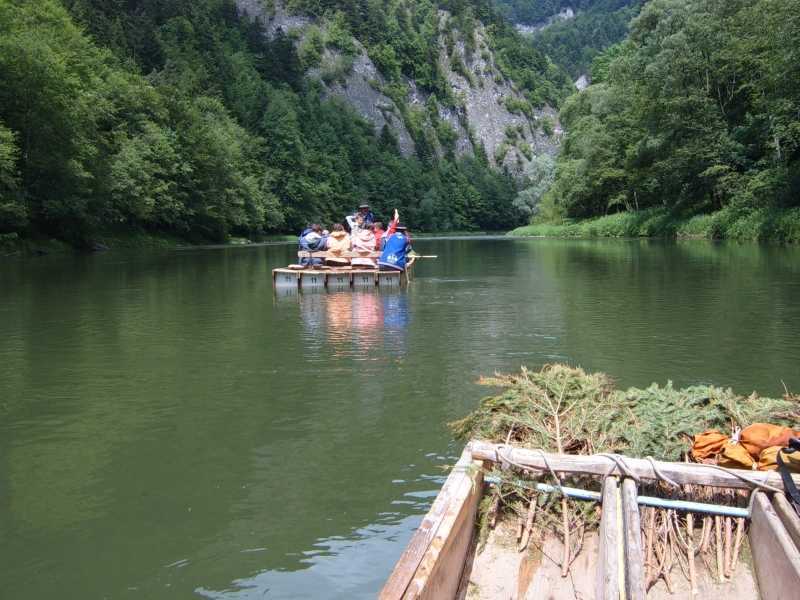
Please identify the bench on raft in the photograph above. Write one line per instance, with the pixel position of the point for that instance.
(323, 276)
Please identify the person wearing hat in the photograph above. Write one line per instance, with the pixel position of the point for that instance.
(363, 216)
(395, 250)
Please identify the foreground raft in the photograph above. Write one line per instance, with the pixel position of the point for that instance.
(324, 277)
(445, 560)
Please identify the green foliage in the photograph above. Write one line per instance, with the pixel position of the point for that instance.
(548, 127)
(693, 114)
(780, 225)
(310, 49)
(565, 409)
(183, 119)
(338, 35)
(13, 214)
(574, 44)
(539, 175)
(518, 106)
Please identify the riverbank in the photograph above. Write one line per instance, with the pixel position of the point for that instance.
(13, 245)
(757, 225)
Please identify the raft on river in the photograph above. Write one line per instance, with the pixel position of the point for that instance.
(319, 276)
(444, 559)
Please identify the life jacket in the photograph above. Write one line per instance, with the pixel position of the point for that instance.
(395, 252)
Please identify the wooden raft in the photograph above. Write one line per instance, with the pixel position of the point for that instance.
(434, 562)
(338, 277)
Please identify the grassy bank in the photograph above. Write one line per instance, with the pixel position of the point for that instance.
(752, 225)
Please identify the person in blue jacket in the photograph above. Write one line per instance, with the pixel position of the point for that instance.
(395, 250)
(312, 239)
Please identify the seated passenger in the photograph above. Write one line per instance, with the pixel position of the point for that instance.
(395, 250)
(366, 217)
(378, 230)
(338, 243)
(311, 240)
(364, 241)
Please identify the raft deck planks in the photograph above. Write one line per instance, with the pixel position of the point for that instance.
(438, 555)
(339, 278)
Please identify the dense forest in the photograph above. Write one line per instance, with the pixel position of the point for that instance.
(697, 111)
(573, 43)
(180, 117)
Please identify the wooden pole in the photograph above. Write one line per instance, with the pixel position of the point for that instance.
(681, 473)
(634, 555)
(608, 565)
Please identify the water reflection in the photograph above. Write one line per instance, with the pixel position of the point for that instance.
(354, 324)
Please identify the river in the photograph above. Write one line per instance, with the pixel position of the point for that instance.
(169, 428)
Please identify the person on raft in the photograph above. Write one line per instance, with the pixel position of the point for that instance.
(312, 240)
(338, 243)
(395, 249)
(366, 218)
(378, 231)
(364, 243)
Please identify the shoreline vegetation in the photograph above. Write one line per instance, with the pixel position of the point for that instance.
(763, 225)
(12, 245)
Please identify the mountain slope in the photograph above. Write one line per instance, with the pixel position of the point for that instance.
(572, 32)
(190, 117)
(468, 105)
(696, 112)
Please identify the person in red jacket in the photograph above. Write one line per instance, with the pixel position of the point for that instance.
(378, 230)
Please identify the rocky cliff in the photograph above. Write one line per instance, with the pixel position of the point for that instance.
(488, 112)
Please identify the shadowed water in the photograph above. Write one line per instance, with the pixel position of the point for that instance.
(170, 428)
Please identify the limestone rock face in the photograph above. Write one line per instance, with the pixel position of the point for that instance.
(272, 16)
(509, 136)
(361, 89)
(487, 110)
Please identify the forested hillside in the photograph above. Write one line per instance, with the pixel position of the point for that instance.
(183, 117)
(697, 111)
(573, 43)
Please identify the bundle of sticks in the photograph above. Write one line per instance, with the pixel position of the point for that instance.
(688, 543)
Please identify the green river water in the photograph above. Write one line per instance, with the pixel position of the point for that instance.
(169, 428)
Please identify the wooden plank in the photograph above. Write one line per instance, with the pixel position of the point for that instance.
(788, 517)
(437, 551)
(440, 572)
(611, 542)
(634, 555)
(681, 473)
(775, 557)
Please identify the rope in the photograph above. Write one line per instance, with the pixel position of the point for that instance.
(524, 468)
(753, 482)
(619, 463)
(660, 475)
